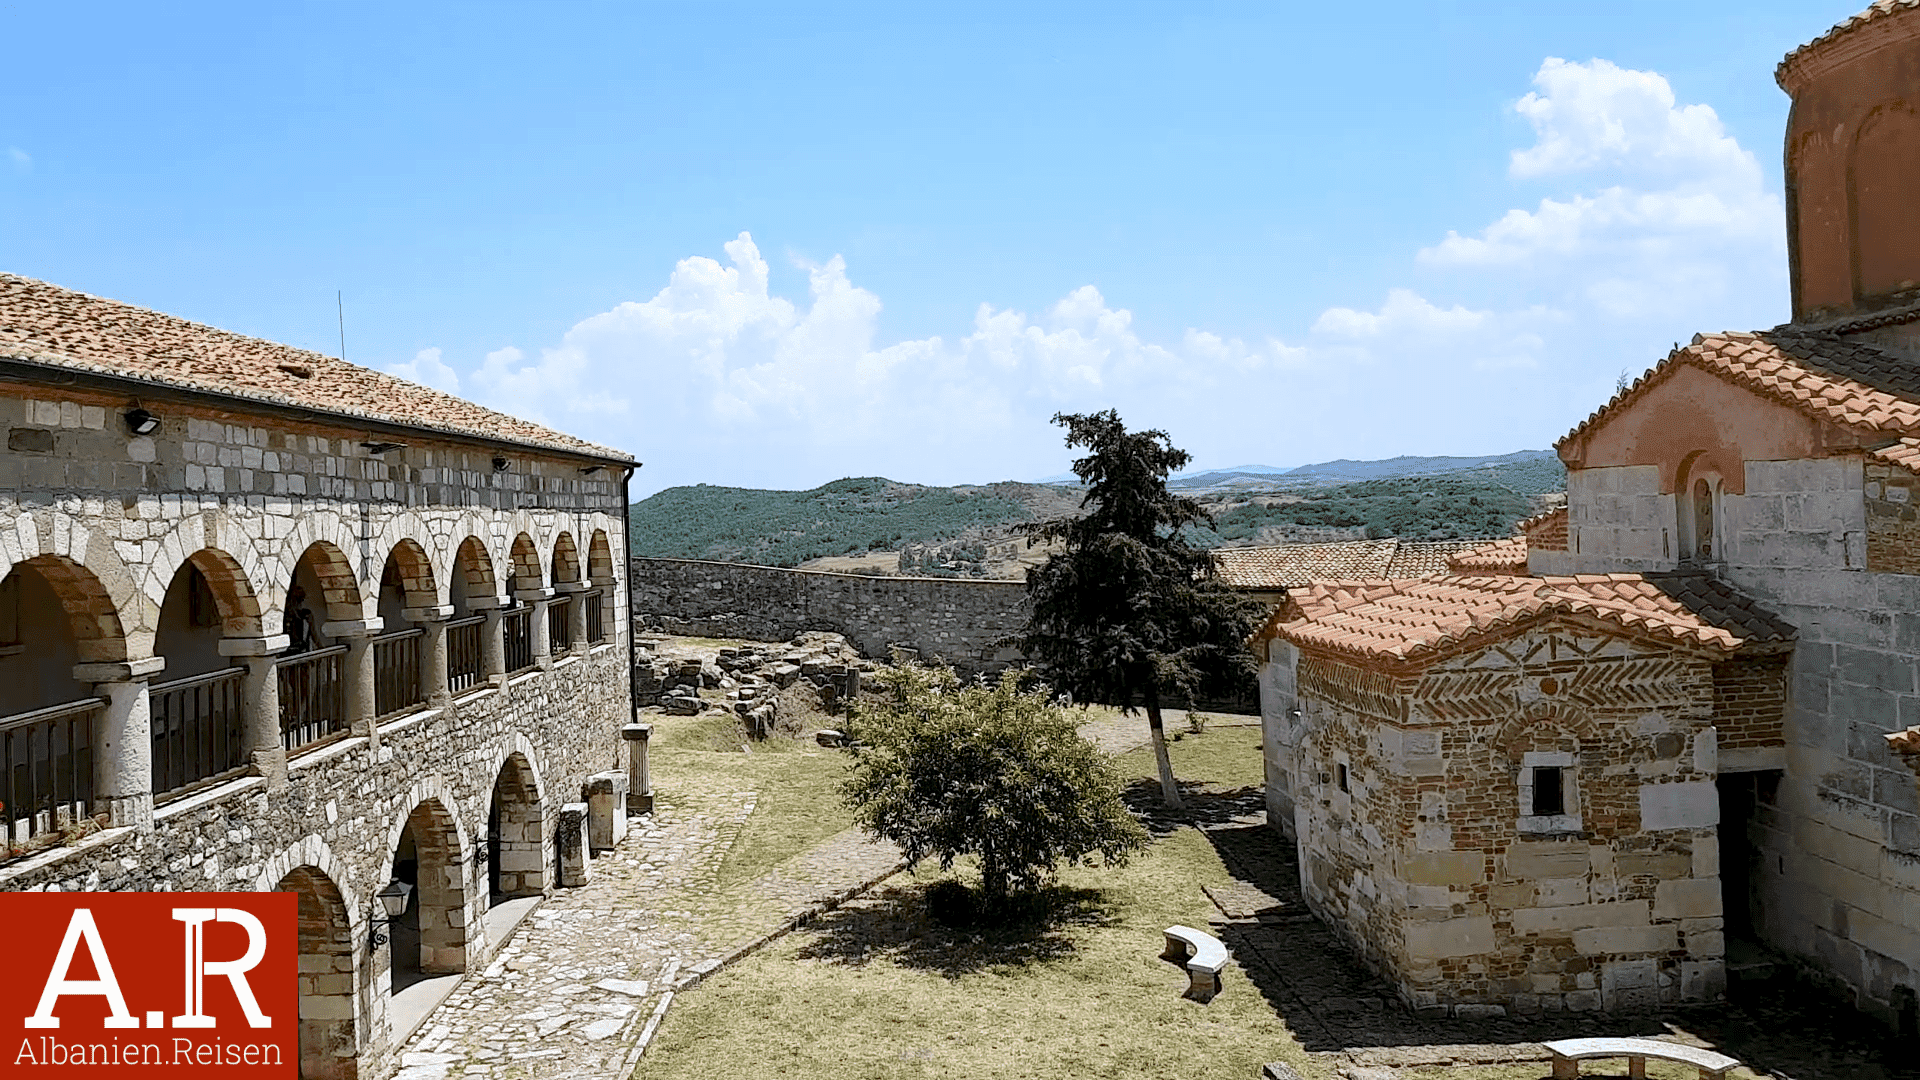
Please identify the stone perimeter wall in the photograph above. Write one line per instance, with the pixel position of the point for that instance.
(961, 621)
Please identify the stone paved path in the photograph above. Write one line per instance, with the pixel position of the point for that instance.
(572, 990)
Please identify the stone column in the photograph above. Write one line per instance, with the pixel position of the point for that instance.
(577, 613)
(639, 777)
(537, 599)
(433, 650)
(260, 701)
(362, 703)
(123, 740)
(493, 647)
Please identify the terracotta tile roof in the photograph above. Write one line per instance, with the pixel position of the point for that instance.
(1415, 621)
(1904, 454)
(1292, 565)
(1841, 381)
(46, 324)
(1418, 558)
(1796, 67)
(1906, 744)
(1507, 556)
(1289, 566)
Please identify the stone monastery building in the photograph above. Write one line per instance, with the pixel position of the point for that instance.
(1678, 719)
(270, 621)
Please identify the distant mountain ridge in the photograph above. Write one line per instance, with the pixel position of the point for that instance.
(1422, 498)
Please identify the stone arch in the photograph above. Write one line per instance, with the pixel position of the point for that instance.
(329, 976)
(1512, 738)
(440, 928)
(336, 555)
(312, 855)
(566, 559)
(516, 829)
(407, 527)
(90, 568)
(91, 615)
(340, 597)
(471, 574)
(599, 558)
(407, 580)
(240, 569)
(525, 566)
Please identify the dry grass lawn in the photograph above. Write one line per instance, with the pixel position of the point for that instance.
(874, 990)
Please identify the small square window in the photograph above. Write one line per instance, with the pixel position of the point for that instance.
(1549, 791)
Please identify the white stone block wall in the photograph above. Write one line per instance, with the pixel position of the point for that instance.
(1617, 519)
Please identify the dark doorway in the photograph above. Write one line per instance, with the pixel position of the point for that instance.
(1742, 796)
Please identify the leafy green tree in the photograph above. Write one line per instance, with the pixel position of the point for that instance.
(990, 771)
(1128, 608)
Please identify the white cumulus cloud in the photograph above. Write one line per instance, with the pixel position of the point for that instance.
(427, 369)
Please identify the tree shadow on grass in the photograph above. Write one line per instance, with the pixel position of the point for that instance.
(1207, 806)
(893, 925)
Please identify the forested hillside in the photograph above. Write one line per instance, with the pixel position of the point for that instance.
(936, 525)
(786, 528)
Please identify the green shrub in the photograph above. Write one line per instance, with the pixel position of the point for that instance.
(995, 772)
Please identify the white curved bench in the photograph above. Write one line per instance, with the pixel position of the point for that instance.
(1568, 1053)
(1202, 955)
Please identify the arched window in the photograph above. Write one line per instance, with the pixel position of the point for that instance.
(1885, 190)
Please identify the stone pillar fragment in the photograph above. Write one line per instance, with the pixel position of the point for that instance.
(606, 810)
(122, 739)
(577, 617)
(639, 777)
(570, 837)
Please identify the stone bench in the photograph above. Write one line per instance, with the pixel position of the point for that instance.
(1203, 956)
(1568, 1053)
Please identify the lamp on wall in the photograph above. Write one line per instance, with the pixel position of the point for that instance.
(500, 464)
(382, 447)
(141, 422)
(393, 901)
(590, 470)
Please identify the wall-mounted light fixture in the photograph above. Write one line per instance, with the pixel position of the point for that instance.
(393, 901)
(591, 469)
(500, 464)
(141, 422)
(377, 447)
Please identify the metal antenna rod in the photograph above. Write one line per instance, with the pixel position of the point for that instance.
(341, 306)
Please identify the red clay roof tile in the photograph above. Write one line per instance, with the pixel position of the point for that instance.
(46, 324)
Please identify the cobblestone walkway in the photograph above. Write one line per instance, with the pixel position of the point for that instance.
(573, 989)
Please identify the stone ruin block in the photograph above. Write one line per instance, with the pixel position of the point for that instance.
(606, 810)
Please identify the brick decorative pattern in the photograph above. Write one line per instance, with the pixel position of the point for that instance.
(1750, 701)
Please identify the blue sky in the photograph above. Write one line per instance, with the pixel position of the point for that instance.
(772, 245)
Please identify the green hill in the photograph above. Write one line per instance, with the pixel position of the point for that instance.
(871, 513)
(786, 528)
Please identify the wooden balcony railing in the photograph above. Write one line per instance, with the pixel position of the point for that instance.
(464, 658)
(560, 625)
(596, 610)
(199, 730)
(396, 671)
(313, 696)
(516, 626)
(49, 771)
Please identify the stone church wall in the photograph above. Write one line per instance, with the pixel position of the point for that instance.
(964, 622)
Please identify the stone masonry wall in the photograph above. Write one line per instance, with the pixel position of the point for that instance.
(347, 802)
(963, 622)
(1425, 864)
(1838, 877)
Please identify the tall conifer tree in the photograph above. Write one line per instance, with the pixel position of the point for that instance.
(1129, 609)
